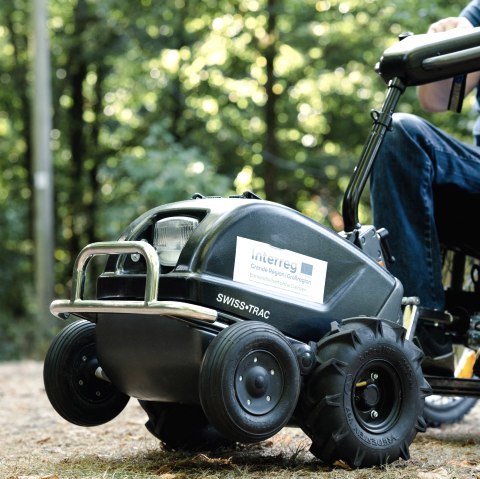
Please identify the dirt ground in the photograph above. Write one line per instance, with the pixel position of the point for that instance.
(36, 443)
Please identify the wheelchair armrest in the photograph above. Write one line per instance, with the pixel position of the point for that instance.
(430, 57)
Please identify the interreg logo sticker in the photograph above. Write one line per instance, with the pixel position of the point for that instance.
(279, 270)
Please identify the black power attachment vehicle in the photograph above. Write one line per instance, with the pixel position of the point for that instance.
(231, 318)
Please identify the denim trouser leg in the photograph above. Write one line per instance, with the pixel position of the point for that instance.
(417, 158)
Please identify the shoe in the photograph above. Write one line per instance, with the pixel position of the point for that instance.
(437, 346)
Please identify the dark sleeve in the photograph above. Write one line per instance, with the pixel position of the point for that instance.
(472, 12)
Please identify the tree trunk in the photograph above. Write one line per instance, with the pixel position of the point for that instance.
(20, 76)
(271, 148)
(77, 136)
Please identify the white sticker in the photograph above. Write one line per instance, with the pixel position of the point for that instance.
(279, 270)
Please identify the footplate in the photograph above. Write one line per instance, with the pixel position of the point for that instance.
(454, 386)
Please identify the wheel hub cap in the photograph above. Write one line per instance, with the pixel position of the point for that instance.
(258, 382)
(371, 395)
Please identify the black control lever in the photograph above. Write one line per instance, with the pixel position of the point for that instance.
(387, 252)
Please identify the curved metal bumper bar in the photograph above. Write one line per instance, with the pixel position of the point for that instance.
(80, 307)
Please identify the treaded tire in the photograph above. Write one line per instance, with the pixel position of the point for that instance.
(70, 382)
(183, 427)
(363, 402)
(249, 381)
(440, 410)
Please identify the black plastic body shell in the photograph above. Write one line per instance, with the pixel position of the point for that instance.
(141, 346)
(152, 358)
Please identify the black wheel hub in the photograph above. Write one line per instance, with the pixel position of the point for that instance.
(377, 398)
(83, 378)
(258, 382)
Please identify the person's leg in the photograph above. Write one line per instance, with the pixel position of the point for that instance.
(415, 159)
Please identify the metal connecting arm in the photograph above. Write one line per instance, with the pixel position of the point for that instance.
(381, 123)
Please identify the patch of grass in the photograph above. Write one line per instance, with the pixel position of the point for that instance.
(243, 464)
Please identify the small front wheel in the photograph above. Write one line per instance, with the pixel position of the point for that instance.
(70, 382)
(249, 381)
(363, 403)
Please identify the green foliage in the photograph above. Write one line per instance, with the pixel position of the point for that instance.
(158, 171)
(153, 101)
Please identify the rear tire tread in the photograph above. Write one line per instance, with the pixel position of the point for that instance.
(329, 408)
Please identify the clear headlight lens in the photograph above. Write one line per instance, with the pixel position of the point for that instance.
(170, 236)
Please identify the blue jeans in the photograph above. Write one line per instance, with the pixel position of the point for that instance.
(416, 164)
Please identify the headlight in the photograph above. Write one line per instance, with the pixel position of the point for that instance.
(170, 237)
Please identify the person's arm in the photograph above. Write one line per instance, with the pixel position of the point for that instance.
(433, 97)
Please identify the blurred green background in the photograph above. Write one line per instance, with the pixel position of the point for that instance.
(153, 101)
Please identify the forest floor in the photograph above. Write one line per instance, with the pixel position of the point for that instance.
(36, 443)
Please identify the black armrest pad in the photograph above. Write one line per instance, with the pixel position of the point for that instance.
(425, 58)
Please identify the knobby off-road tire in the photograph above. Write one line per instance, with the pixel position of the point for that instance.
(363, 403)
(183, 427)
(249, 381)
(70, 382)
(440, 410)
